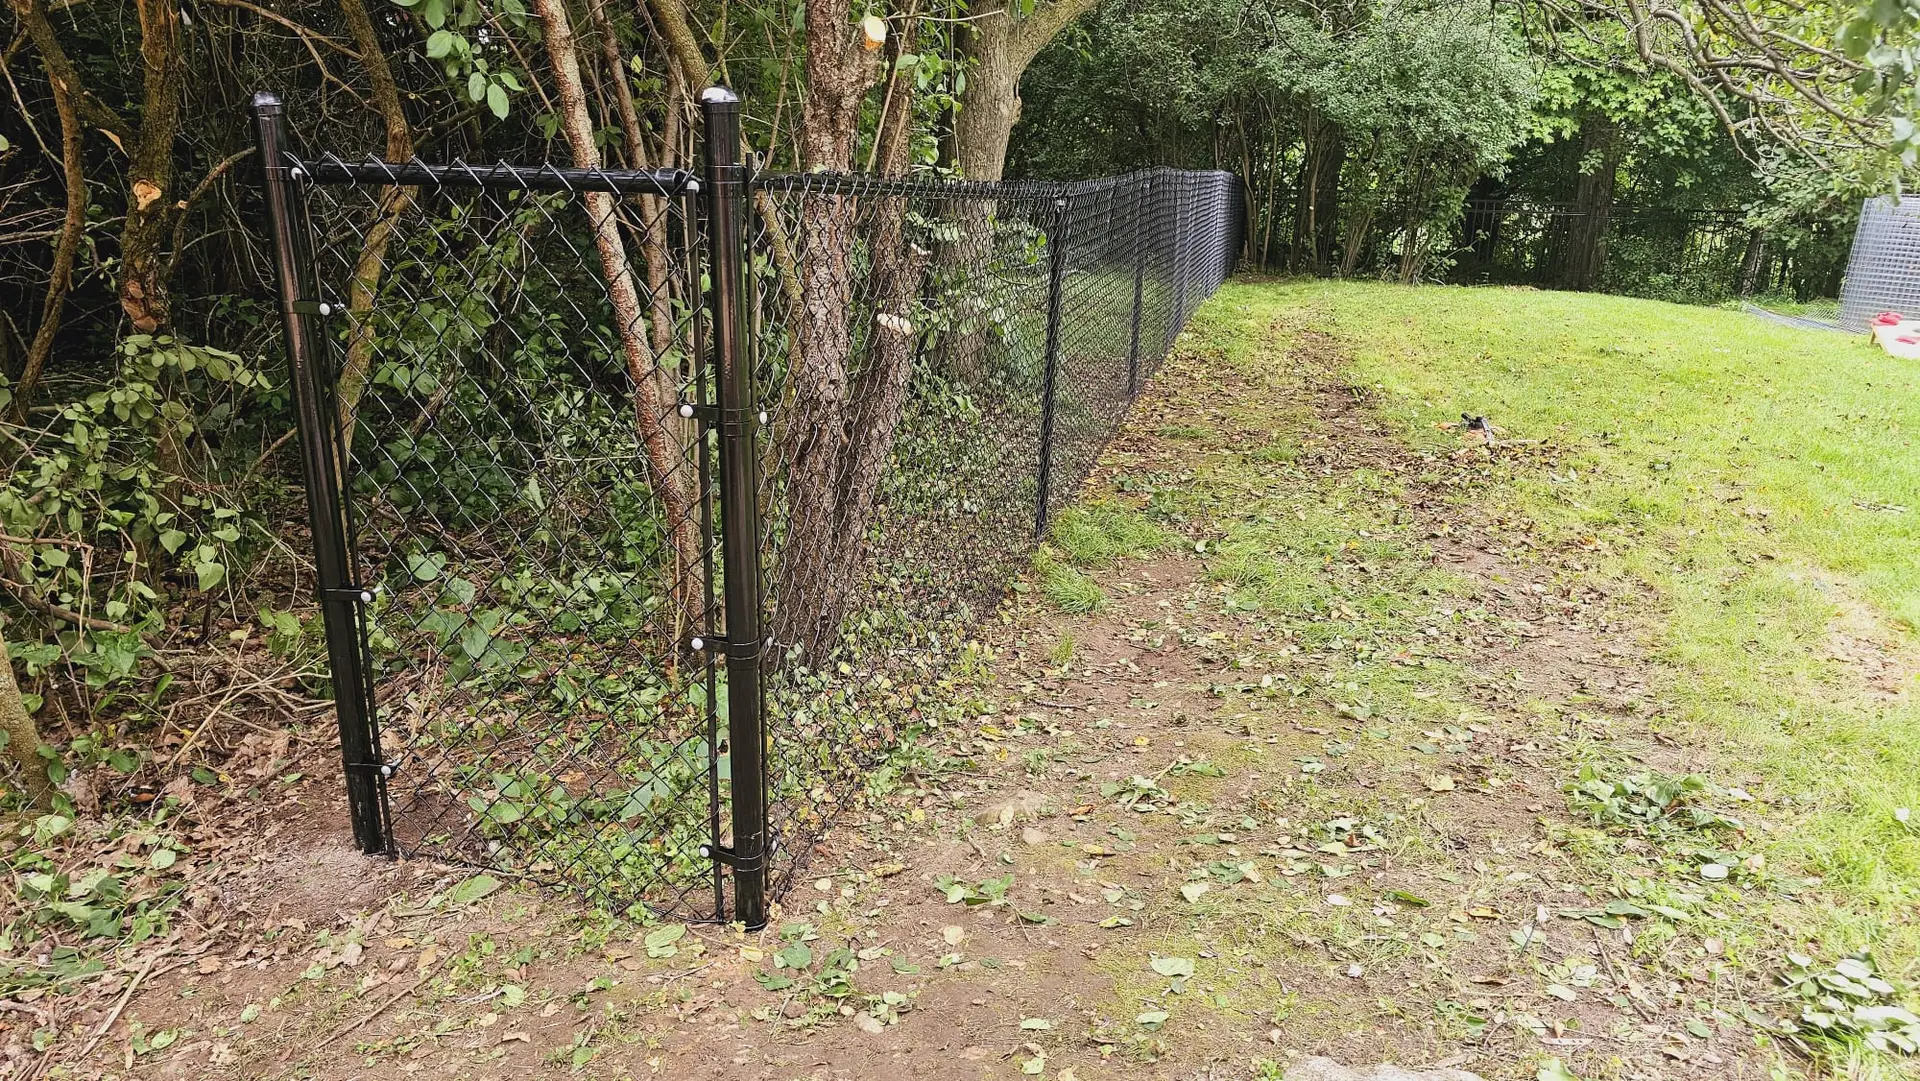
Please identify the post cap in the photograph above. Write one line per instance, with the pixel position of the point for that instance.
(718, 95)
(265, 99)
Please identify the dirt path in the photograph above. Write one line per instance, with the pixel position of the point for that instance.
(1296, 789)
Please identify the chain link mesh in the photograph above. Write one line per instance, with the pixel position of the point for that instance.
(533, 517)
(1012, 324)
(527, 459)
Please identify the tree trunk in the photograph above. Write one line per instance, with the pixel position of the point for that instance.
(65, 250)
(1356, 240)
(817, 591)
(991, 105)
(650, 403)
(1752, 261)
(815, 436)
(1326, 199)
(1316, 216)
(23, 736)
(1000, 44)
(395, 201)
(1600, 152)
(143, 268)
(842, 429)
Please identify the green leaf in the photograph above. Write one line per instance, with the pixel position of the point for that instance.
(497, 100)
(660, 941)
(162, 858)
(439, 44)
(476, 86)
(797, 956)
(773, 981)
(426, 566)
(211, 574)
(473, 889)
(1555, 1070)
(1178, 968)
(172, 539)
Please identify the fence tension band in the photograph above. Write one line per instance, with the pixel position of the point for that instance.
(710, 415)
(313, 307)
(735, 651)
(721, 854)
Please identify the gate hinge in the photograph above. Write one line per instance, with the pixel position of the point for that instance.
(723, 854)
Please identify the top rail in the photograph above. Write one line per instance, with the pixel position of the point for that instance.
(332, 169)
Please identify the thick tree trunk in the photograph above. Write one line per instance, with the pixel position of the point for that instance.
(999, 45)
(23, 736)
(1752, 261)
(818, 588)
(1600, 153)
(842, 428)
(991, 105)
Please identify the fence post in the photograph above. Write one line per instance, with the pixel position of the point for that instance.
(321, 461)
(726, 196)
(1141, 206)
(1056, 276)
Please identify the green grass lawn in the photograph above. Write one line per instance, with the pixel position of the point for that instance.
(1758, 482)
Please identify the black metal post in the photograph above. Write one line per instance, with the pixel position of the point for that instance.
(738, 420)
(1141, 206)
(321, 456)
(1056, 276)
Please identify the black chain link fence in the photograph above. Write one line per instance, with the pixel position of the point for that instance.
(516, 476)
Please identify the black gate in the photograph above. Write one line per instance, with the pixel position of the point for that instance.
(562, 435)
